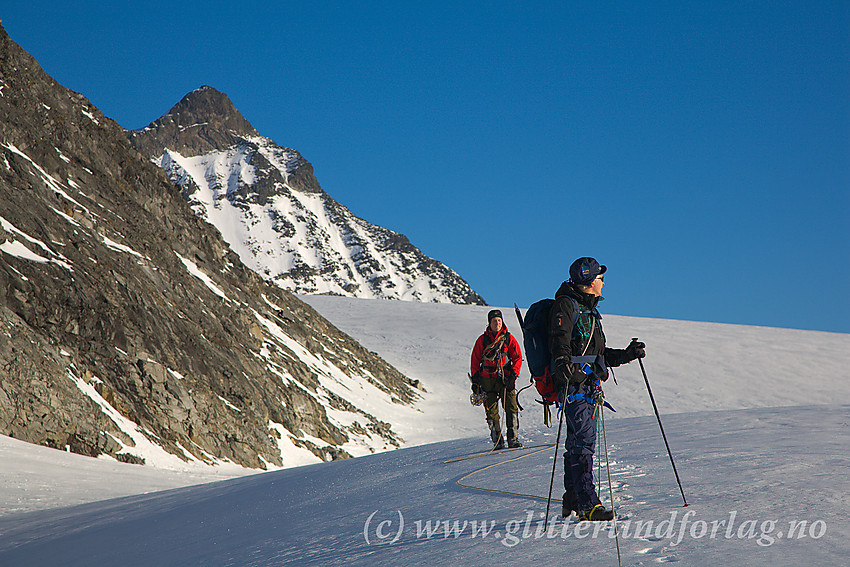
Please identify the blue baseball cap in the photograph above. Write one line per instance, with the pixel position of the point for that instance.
(584, 271)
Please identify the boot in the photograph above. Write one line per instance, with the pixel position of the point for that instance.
(596, 514)
(569, 503)
(496, 434)
(513, 426)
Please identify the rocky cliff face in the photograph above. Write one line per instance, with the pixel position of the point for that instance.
(127, 325)
(266, 202)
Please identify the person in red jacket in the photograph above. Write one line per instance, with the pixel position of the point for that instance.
(496, 362)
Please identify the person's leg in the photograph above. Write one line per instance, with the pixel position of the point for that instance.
(580, 445)
(512, 418)
(491, 410)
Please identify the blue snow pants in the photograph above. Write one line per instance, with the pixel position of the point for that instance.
(580, 445)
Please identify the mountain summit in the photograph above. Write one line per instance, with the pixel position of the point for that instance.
(203, 121)
(267, 204)
(129, 327)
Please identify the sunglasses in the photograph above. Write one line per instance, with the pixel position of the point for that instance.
(600, 277)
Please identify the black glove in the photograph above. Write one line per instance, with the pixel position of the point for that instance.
(476, 388)
(561, 374)
(567, 373)
(636, 349)
(476, 378)
(510, 379)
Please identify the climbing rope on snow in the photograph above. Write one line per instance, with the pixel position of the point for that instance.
(494, 452)
(464, 477)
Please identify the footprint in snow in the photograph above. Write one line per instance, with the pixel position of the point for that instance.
(653, 550)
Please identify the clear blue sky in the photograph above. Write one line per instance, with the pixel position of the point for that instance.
(699, 149)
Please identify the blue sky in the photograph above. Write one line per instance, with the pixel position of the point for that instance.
(701, 150)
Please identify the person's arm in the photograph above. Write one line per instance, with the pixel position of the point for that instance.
(561, 329)
(475, 362)
(560, 344)
(614, 357)
(514, 362)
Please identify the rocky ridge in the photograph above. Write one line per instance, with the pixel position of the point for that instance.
(129, 328)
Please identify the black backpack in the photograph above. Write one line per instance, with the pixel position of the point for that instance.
(535, 342)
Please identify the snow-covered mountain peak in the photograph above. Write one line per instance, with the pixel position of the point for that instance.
(268, 205)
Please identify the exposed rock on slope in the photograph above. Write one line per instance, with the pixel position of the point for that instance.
(127, 325)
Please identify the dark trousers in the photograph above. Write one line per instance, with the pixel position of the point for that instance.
(580, 445)
(496, 391)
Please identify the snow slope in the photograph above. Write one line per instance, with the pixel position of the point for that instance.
(756, 419)
(750, 477)
(304, 241)
(692, 366)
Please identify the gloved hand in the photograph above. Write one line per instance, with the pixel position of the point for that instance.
(476, 378)
(636, 349)
(561, 373)
(565, 373)
(510, 379)
(476, 388)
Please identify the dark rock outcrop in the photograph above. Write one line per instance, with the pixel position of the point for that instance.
(126, 320)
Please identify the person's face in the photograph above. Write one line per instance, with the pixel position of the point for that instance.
(496, 324)
(596, 285)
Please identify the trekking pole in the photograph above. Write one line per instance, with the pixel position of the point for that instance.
(554, 463)
(599, 435)
(666, 444)
(610, 487)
